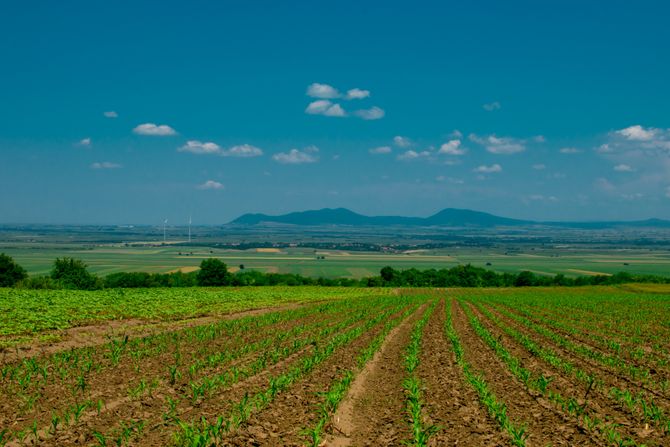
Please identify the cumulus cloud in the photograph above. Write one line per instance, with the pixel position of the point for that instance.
(539, 166)
(413, 155)
(326, 108)
(452, 147)
(84, 142)
(105, 165)
(198, 147)
(499, 145)
(373, 113)
(638, 133)
(484, 169)
(323, 91)
(242, 151)
(569, 150)
(540, 197)
(490, 107)
(357, 93)
(111, 114)
(211, 184)
(295, 156)
(401, 141)
(154, 130)
(623, 168)
(381, 150)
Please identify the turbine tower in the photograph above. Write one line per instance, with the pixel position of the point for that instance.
(164, 234)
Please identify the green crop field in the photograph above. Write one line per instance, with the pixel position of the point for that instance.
(342, 366)
(106, 259)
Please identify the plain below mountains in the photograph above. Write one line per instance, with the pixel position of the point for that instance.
(448, 217)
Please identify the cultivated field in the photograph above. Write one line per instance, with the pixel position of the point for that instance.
(475, 367)
(104, 259)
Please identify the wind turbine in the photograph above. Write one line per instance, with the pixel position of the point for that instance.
(189, 229)
(164, 234)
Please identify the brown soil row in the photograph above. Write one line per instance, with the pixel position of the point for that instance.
(450, 403)
(112, 386)
(545, 424)
(373, 412)
(597, 404)
(151, 410)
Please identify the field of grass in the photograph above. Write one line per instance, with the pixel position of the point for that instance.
(326, 366)
(106, 259)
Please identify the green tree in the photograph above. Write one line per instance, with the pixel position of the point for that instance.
(72, 274)
(213, 272)
(10, 271)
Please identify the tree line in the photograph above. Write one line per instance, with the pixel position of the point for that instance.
(70, 273)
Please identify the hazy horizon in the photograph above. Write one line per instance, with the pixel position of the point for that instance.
(130, 113)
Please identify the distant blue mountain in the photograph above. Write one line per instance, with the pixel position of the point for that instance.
(448, 217)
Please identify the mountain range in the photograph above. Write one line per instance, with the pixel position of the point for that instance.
(448, 217)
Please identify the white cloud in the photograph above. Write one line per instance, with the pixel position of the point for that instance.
(499, 145)
(490, 107)
(623, 168)
(381, 150)
(604, 185)
(604, 149)
(413, 155)
(154, 130)
(452, 147)
(638, 133)
(211, 184)
(323, 91)
(455, 181)
(242, 151)
(85, 142)
(402, 141)
(294, 156)
(539, 139)
(373, 113)
(483, 169)
(357, 93)
(539, 166)
(325, 108)
(111, 114)
(197, 147)
(633, 196)
(105, 165)
(569, 150)
(456, 134)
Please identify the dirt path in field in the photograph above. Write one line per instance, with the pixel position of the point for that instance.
(449, 402)
(545, 425)
(283, 422)
(373, 411)
(101, 332)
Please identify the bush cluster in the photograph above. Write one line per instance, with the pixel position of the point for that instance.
(69, 273)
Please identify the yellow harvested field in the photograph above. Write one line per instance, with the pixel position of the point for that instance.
(589, 272)
(268, 250)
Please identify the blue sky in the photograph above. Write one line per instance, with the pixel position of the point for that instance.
(131, 112)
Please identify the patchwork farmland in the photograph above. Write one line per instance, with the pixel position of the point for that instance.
(320, 366)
